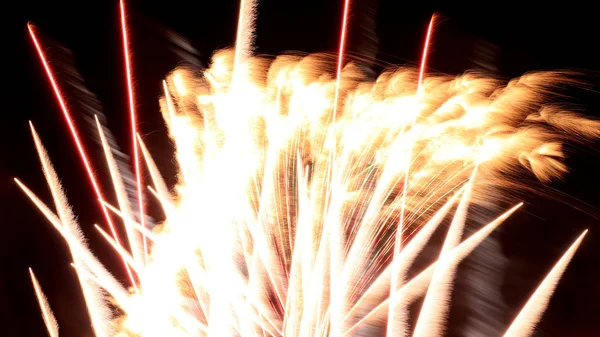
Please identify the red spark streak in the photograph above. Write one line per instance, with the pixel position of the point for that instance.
(419, 95)
(74, 133)
(424, 58)
(136, 158)
(339, 75)
(399, 240)
(341, 55)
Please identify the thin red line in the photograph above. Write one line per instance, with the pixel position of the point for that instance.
(74, 133)
(341, 56)
(136, 160)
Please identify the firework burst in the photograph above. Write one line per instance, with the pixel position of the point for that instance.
(306, 192)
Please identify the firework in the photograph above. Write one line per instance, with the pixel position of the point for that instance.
(306, 192)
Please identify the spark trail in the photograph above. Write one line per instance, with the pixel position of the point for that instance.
(49, 319)
(133, 116)
(75, 134)
(293, 175)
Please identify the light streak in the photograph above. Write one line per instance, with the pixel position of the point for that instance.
(396, 319)
(133, 119)
(531, 313)
(422, 68)
(82, 153)
(49, 319)
(281, 223)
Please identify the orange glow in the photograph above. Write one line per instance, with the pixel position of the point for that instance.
(394, 327)
(284, 221)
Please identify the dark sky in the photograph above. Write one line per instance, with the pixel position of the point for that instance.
(524, 38)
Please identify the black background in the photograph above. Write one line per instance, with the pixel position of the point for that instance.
(527, 37)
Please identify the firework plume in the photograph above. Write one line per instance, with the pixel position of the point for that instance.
(306, 190)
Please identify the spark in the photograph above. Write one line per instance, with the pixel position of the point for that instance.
(418, 286)
(336, 248)
(105, 279)
(288, 222)
(244, 37)
(531, 313)
(136, 159)
(396, 319)
(436, 303)
(424, 57)
(97, 307)
(122, 199)
(82, 153)
(341, 52)
(49, 319)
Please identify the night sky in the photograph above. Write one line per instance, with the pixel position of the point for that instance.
(523, 38)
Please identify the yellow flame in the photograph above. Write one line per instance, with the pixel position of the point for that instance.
(245, 248)
(284, 218)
